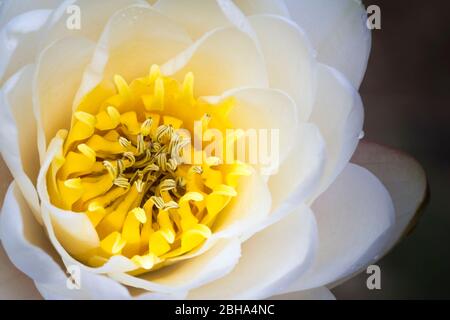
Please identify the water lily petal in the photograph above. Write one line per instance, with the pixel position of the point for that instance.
(19, 40)
(270, 260)
(222, 59)
(338, 32)
(246, 212)
(13, 8)
(29, 249)
(92, 287)
(18, 134)
(134, 38)
(15, 284)
(93, 16)
(23, 239)
(58, 75)
(72, 233)
(320, 293)
(339, 114)
(196, 16)
(292, 68)
(402, 176)
(189, 274)
(272, 111)
(252, 7)
(355, 217)
(299, 175)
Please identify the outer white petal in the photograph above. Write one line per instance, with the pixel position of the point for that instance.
(134, 38)
(355, 217)
(93, 16)
(270, 260)
(252, 7)
(19, 40)
(12, 8)
(200, 16)
(402, 176)
(320, 293)
(196, 16)
(339, 114)
(15, 284)
(299, 175)
(222, 59)
(289, 58)
(338, 32)
(72, 233)
(18, 134)
(92, 287)
(58, 76)
(29, 249)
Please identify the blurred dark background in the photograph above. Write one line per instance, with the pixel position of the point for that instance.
(406, 93)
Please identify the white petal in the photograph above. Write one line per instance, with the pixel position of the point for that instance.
(72, 233)
(402, 176)
(94, 15)
(6, 180)
(18, 134)
(12, 8)
(200, 16)
(320, 293)
(196, 16)
(73, 229)
(24, 239)
(339, 114)
(355, 217)
(92, 287)
(299, 175)
(246, 212)
(191, 273)
(29, 249)
(338, 32)
(270, 111)
(270, 260)
(58, 76)
(19, 41)
(15, 284)
(222, 59)
(252, 7)
(289, 58)
(134, 38)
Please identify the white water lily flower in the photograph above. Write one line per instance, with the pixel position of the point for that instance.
(86, 130)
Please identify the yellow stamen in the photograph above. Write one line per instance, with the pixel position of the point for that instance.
(124, 165)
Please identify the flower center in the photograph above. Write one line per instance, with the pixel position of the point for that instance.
(127, 164)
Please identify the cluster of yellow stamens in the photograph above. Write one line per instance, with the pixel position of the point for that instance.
(123, 165)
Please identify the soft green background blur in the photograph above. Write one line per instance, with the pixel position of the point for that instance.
(406, 94)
